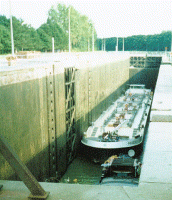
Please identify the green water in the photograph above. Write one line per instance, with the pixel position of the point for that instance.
(82, 171)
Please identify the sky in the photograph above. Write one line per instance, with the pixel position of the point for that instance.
(111, 18)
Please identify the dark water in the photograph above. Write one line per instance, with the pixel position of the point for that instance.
(84, 171)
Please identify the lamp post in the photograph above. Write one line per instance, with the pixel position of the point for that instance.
(102, 44)
(88, 44)
(117, 44)
(69, 32)
(123, 43)
(11, 28)
(92, 38)
(171, 48)
(171, 41)
(52, 45)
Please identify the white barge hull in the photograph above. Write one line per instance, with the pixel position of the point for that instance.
(123, 124)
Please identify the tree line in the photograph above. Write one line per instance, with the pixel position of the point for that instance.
(26, 38)
(157, 42)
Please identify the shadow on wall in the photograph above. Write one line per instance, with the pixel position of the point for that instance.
(41, 170)
(147, 76)
(40, 164)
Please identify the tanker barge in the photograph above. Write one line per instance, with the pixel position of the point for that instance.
(122, 125)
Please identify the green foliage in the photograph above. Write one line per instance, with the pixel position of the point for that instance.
(49, 30)
(59, 15)
(156, 42)
(27, 38)
(5, 43)
(81, 28)
(45, 40)
(4, 21)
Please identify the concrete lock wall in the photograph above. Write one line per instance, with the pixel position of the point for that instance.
(97, 86)
(23, 119)
(145, 70)
(32, 120)
(147, 76)
(33, 110)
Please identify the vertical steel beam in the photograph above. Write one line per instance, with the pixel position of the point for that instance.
(37, 192)
(51, 121)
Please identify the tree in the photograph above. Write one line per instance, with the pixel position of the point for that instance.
(25, 37)
(5, 42)
(79, 24)
(45, 40)
(57, 26)
(52, 29)
(156, 42)
(4, 21)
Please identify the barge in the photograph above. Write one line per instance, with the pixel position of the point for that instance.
(123, 124)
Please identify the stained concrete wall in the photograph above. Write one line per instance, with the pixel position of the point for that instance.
(31, 98)
(146, 73)
(147, 76)
(23, 119)
(96, 88)
(60, 122)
